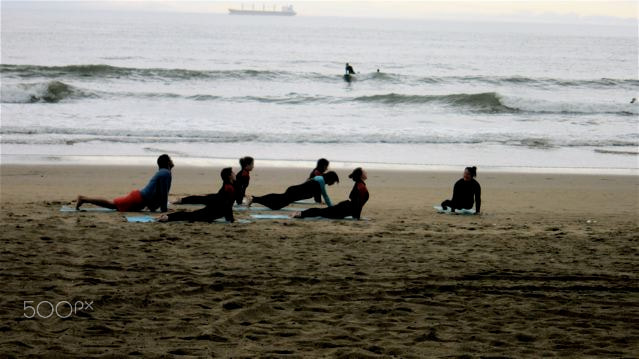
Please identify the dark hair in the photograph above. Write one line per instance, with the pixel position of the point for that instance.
(164, 161)
(226, 174)
(356, 175)
(472, 171)
(246, 161)
(331, 177)
(322, 163)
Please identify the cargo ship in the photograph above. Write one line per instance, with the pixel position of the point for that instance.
(284, 11)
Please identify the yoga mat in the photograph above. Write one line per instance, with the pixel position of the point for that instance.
(149, 219)
(457, 211)
(140, 219)
(283, 216)
(85, 209)
(262, 208)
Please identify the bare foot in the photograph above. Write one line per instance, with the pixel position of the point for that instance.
(163, 218)
(249, 201)
(80, 201)
(296, 215)
(178, 201)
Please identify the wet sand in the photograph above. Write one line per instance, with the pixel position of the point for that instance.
(548, 269)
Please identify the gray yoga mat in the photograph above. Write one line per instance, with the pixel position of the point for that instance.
(85, 209)
(149, 219)
(457, 211)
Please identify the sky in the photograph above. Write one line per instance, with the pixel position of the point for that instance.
(561, 11)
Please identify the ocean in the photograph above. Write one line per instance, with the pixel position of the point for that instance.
(205, 87)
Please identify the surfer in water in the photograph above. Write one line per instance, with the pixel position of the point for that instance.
(466, 192)
(349, 69)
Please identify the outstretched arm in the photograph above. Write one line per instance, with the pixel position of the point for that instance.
(327, 199)
(164, 185)
(478, 199)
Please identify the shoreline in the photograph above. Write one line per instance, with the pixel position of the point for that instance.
(120, 160)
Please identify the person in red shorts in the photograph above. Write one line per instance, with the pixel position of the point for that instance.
(153, 196)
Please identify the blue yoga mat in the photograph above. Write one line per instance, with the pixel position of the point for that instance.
(140, 219)
(149, 219)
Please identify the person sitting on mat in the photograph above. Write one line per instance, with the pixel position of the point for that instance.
(219, 205)
(466, 192)
(351, 207)
(308, 189)
(155, 195)
(243, 178)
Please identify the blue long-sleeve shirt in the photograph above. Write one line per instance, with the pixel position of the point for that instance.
(322, 183)
(156, 192)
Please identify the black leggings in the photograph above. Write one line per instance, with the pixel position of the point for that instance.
(199, 199)
(339, 211)
(205, 214)
(452, 205)
(274, 200)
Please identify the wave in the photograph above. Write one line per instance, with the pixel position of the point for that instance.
(175, 74)
(71, 136)
(486, 102)
(49, 92)
(483, 102)
(141, 74)
(537, 82)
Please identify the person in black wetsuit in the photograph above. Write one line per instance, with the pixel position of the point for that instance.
(308, 189)
(320, 168)
(349, 69)
(243, 178)
(351, 207)
(240, 184)
(218, 205)
(466, 192)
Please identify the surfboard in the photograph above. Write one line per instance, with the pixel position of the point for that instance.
(457, 211)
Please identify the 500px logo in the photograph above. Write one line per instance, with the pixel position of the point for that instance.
(62, 309)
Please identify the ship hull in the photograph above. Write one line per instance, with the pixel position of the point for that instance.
(261, 13)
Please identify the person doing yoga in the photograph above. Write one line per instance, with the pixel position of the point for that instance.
(243, 178)
(351, 207)
(240, 185)
(466, 192)
(322, 166)
(154, 195)
(308, 189)
(219, 205)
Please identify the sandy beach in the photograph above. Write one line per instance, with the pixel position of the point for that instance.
(548, 269)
